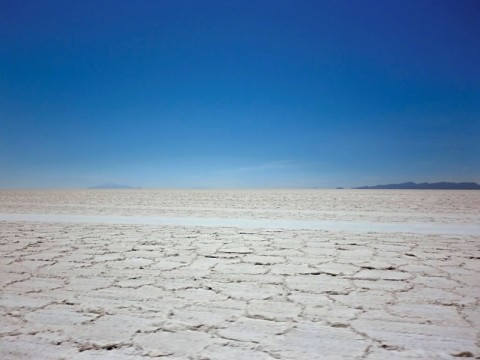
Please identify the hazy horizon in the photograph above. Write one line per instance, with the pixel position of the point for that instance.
(268, 94)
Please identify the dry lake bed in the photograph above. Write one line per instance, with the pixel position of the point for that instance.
(240, 274)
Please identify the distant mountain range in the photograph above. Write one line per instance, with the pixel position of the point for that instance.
(113, 186)
(427, 186)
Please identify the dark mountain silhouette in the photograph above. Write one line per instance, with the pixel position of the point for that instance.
(113, 186)
(427, 186)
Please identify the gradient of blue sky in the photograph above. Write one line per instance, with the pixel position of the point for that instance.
(238, 93)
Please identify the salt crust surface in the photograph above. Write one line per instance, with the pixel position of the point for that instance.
(350, 226)
(299, 275)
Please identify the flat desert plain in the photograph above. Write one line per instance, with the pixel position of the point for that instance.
(239, 274)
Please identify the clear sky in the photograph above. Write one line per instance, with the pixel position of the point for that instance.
(238, 93)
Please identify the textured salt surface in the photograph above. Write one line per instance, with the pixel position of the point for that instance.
(351, 226)
(331, 275)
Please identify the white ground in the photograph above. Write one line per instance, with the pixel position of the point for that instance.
(305, 274)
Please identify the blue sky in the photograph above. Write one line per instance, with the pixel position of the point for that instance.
(238, 93)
